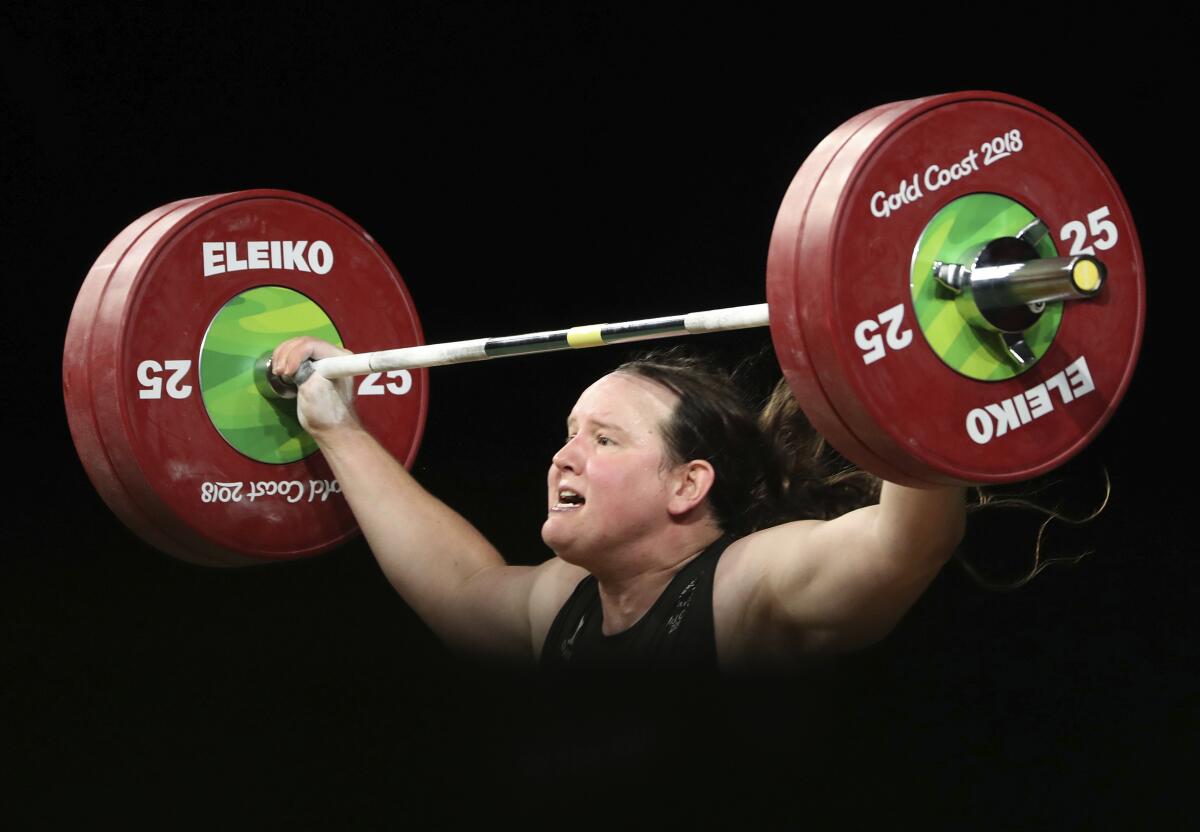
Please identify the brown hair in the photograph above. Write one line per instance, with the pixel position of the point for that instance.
(818, 482)
(713, 422)
(771, 467)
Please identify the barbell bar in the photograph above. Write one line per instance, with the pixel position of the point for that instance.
(1024, 286)
(481, 349)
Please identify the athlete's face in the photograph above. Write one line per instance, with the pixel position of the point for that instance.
(608, 484)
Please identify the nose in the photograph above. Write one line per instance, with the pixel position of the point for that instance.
(568, 457)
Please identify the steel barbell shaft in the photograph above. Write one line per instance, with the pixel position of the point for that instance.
(578, 337)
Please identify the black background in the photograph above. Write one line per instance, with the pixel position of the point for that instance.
(529, 168)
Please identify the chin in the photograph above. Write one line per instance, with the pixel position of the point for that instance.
(550, 539)
(559, 543)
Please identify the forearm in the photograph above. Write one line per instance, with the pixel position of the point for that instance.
(920, 525)
(426, 550)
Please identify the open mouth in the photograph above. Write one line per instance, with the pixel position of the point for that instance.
(568, 500)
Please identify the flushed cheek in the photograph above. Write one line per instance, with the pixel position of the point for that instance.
(624, 493)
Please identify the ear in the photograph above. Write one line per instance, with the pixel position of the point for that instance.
(690, 484)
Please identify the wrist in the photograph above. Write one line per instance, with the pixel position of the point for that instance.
(347, 432)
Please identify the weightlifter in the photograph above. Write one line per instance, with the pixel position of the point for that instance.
(666, 512)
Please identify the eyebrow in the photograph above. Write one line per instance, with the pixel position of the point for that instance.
(600, 423)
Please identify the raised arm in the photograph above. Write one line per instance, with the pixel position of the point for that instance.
(442, 566)
(838, 584)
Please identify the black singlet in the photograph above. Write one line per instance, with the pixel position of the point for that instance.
(676, 632)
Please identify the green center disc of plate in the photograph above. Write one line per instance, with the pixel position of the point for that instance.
(245, 329)
(953, 235)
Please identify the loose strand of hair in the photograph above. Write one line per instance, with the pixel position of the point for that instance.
(1040, 563)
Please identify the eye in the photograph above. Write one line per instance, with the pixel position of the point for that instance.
(601, 439)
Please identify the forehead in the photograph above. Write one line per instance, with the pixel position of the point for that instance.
(627, 401)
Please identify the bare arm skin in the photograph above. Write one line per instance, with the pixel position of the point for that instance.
(834, 585)
(451, 576)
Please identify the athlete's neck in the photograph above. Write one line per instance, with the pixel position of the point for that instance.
(627, 595)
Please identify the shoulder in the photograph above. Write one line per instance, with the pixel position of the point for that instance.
(745, 584)
(750, 559)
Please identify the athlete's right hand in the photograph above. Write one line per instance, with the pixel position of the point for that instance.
(323, 405)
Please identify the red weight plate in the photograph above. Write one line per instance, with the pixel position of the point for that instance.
(77, 393)
(853, 262)
(785, 303)
(181, 485)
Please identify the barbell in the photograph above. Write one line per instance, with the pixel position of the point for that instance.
(955, 294)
